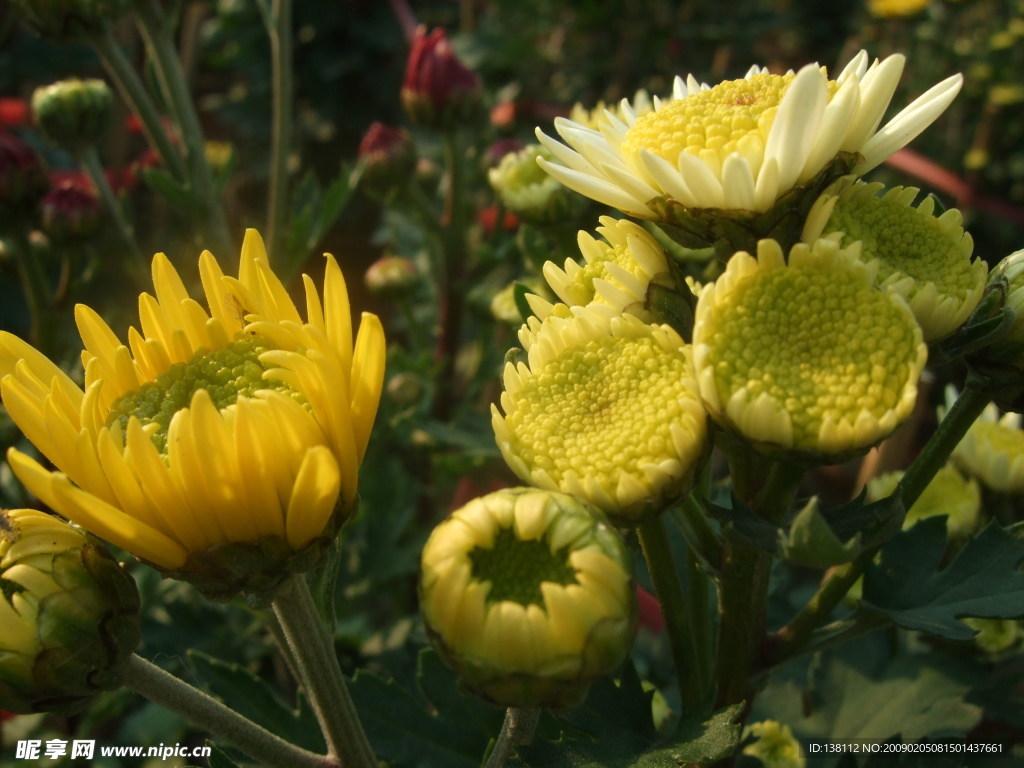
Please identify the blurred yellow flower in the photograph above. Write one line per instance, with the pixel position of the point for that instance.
(890, 8)
(241, 425)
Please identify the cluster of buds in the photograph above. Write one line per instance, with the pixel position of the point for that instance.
(68, 615)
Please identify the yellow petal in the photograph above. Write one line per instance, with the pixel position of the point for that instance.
(367, 378)
(313, 497)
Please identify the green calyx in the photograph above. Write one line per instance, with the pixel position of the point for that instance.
(226, 374)
(517, 568)
(729, 231)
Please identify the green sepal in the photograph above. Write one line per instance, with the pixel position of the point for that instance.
(729, 231)
(256, 568)
(811, 542)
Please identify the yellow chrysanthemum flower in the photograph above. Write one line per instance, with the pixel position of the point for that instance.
(528, 595)
(775, 747)
(616, 271)
(741, 144)
(890, 8)
(216, 444)
(949, 493)
(605, 408)
(993, 449)
(926, 259)
(807, 356)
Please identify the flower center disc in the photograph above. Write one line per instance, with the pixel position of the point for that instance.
(723, 119)
(821, 346)
(516, 568)
(226, 374)
(600, 409)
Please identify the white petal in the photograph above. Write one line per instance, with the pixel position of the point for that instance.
(668, 178)
(796, 123)
(738, 183)
(596, 188)
(876, 90)
(706, 187)
(838, 114)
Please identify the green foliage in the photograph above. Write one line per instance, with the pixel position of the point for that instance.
(983, 579)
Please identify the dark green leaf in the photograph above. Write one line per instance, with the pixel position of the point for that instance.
(811, 542)
(983, 580)
(403, 732)
(218, 758)
(165, 185)
(875, 521)
(519, 291)
(256, 699)
(439, 685)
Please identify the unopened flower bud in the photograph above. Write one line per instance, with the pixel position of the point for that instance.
(70, 212)
(438, 90)
(22, 177)
(775, 747)
(529, 192)
(73, 113)
(68, 615)
(392, 276)
(527, 594)
(388, 157)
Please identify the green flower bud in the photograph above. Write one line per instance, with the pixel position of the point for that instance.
(528, 596)
(529, 192)
(73, 114)
(68, 615)
(392, 277)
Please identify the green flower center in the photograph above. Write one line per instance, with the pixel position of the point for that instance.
(819, 343)
(718, 119)
(906, 242)
(517, 568)
(600, 409)
(226, 374)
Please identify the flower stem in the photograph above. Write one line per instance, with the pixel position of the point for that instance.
(278, 22)
(518, 728)
(36, 290)
(170, 692)
(768, 489)
(90, 161)
(838, 581)
(313, 650)
(138, 99)
(156, 31)
(680, 621)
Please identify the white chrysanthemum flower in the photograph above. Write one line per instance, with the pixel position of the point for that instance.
(807, 356)
(742, 143)
(925, 258)
(949, 493)
(605, 408)
(616, 270)
(993, 449)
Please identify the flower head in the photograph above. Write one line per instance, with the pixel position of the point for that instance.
(993, 449)
(605, 408)
(925, 258)
(74, 113)
(807, 356)
(949, 493)
(388, 156)
(617, 270)
(70, 211)
(216, 443)
(742, 144)
(437, 88)
(69, 615)
(528, 595)
(528, 192)
(775, 747)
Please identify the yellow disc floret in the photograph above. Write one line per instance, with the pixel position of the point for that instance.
(807, 356)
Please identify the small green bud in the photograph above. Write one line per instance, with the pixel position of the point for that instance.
(527, 594)
(73, 114)
(68, 615)
(392, 277)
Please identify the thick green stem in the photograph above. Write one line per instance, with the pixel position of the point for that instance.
(682, 625)
(768, 489)
(838, 581)
(202, 710)
(518, 728)
(692, 519)
(91, 162)
(279, 31)
(313, 650)
(156, 32)
(135, 94)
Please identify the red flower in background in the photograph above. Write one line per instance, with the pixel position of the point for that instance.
(14, 113)
(437, 86)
